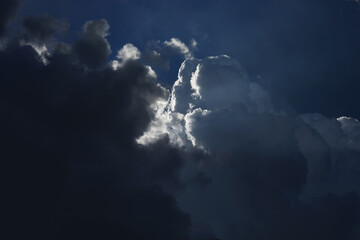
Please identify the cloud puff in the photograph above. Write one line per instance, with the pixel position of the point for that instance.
(178, 45)
(218, 82)
(207, 85)
(129, 52)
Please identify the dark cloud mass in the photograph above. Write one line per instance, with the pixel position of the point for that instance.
(92, 48)
(71, 165)
(98, 149)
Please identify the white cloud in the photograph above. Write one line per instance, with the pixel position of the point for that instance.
(181, 90)
(115, 64)
(190, 119)
(194, 82)
(206, 86)
(214, 102)
(129, 52)
(179, 46)
(165, 124)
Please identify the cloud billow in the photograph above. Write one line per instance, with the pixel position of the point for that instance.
(73, 168)
(272, 174)
(97, 150)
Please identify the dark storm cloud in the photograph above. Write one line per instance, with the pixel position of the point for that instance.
(72, 169)
(230, 163)
(92, 48)
(7, 11)
(41, 28)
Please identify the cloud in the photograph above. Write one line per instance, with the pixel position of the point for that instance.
(98, 149)
(205, 86)
(266, 168)
(159, 54)
(155, 58)
(129, 52)
(92, 48)
(351, 128)
(179, 46)
(98, 27)
(68, 130)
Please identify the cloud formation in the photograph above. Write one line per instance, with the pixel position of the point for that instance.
(73, 168)
(92, 48)
(179, 46)
(98, 150)
(128, 52)
(270, 174)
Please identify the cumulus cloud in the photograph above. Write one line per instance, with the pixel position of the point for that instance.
(100, 150)
(263, 165)
(208, 85)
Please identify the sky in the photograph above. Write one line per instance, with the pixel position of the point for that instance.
(180, 120)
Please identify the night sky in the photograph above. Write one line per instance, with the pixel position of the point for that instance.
(180, 119)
